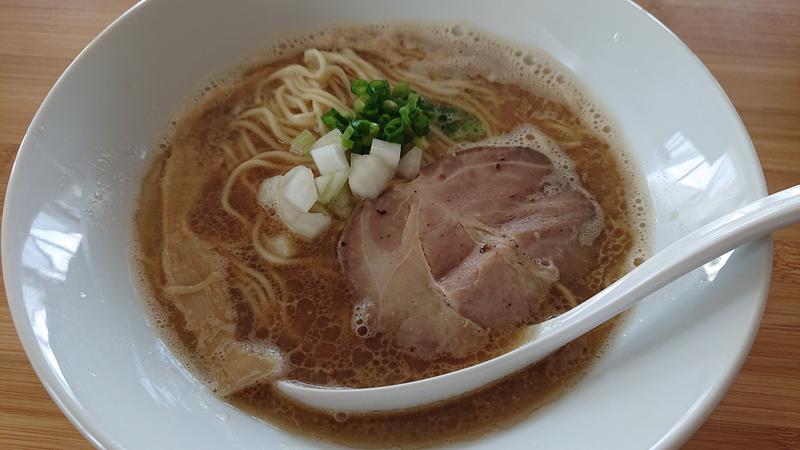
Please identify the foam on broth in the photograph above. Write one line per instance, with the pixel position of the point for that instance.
(316, 331)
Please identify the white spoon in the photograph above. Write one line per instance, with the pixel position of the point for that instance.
(693, 250)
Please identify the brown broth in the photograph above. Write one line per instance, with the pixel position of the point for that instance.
(313, 328)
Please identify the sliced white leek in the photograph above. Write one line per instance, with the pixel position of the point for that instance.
(299, 188)
(332, 137)
(408, 167)
(369, 176)
(268, 191)
(310, 225)
(333, 186)
(302, 143)
(388, 152)
(330, 158)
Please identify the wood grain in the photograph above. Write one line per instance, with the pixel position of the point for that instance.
(751, 46)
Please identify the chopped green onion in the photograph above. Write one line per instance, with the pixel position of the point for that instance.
(359, 104)
(302, 143)
(370, 112)
(405, 115)
(334, 119)
(393, 131)
(359, 87)
(427, 108)
(364, 127)
(397, 115)
(421, 142)
(413, 98)
(346, 141)
(420, 123)
(379, 88)
(363, 133)
(401, 90)
(389, 107)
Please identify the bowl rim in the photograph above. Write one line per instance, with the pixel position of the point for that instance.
(680, 432)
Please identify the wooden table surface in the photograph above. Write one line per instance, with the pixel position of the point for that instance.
(751, 46)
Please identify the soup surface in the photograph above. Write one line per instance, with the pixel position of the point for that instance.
(245, 301)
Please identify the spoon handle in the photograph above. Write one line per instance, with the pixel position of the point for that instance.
(757, 219)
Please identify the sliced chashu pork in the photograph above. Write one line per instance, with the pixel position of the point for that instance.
(195, 282)
(474, 243)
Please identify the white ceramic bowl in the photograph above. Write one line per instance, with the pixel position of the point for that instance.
(67, 221)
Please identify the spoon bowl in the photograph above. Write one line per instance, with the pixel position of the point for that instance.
(686, 254)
